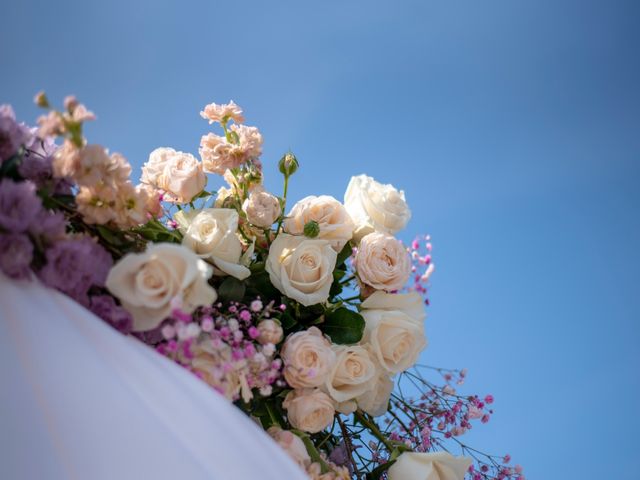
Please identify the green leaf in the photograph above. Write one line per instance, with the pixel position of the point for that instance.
(344, 326)
(344, 254)
(231, 290)
(108, 236)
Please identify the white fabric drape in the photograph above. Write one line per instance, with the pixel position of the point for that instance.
(80, 401)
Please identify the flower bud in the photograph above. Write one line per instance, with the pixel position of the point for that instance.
(41, 100)
(288, 164)
(311, 229)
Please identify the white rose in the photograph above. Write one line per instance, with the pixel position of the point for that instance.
(309, 410)
(292, 444)
(395, 338)
(146, 283)
(376, 207)
(352, 373)
(409, 303)
(332, 218)
(262, 208)
(308, 358)
(382, 262)
(429, 466)
(301, 268)
(211, 234)
(376, 400)
(179, 174)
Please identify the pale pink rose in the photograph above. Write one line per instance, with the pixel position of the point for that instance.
(262, 208)
(292, 444)
(335, 223)
(178, 174)
(219, 155)
(309, 410)
(376, 400)
(308, 358)
(270, 332)
(222, 113)
(382, 262)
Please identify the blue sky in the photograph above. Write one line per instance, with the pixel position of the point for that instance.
(512, 126)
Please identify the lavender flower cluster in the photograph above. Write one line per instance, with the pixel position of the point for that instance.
(34, 239)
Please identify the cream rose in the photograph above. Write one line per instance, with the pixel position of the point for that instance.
(146, 283)
(262, 208)
(292, 444)
(211, 234)
(270, 332)
(408, 303)
(301, 268)
(332, 218)
(382, 262)
(376, 400)
(429, 466)
(374, 206)
(394, 337)
(309, 410)
(352, 373)
(178, 174)
(308, 358)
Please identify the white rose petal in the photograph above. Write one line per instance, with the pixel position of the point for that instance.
(332, 218)
(429, 466)
(376, 400)
(375, 207)
(395, 338)
(301, 268)
(211, 234)
(409, 303)
(352, 373)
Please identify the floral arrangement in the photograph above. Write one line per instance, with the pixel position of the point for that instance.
(309, 318)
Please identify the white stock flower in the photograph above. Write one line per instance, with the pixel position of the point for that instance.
(301, 268)
(374, 206)
(352, 373)
(332, 218)
(382, 262)
(211, 234)
(178, 174)
(146, 283)
(429, 466)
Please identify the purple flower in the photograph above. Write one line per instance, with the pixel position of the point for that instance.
(36, 163)
(12, 135)
(74, 265)
(16, 253)
(19, 205)
(105, 307)
(49, 224)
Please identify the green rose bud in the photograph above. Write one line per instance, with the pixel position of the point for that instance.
(311, 229)
(288, 164)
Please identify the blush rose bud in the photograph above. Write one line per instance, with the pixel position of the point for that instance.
(288, 164)
(311, 229)
(41, 100)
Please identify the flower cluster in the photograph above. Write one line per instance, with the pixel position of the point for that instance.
(309, 318)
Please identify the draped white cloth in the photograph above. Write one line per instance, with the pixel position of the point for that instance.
(80, 401)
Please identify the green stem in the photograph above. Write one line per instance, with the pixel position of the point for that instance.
(373, 428)
(284, 202)
(312, 451)
(347, 280)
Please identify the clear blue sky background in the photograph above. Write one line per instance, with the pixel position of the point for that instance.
(512, 126)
